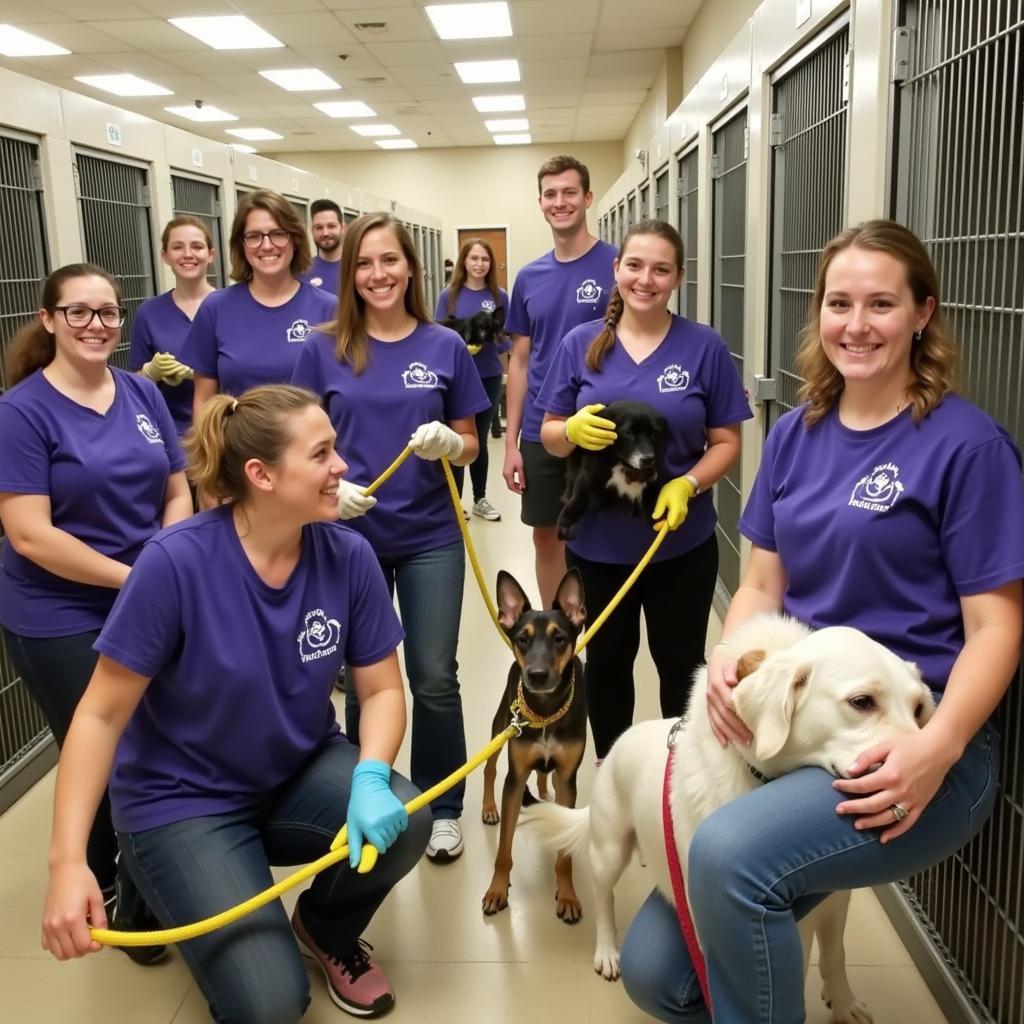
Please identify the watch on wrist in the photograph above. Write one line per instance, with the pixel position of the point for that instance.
(693, 480)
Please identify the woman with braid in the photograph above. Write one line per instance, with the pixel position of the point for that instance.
(645, 353)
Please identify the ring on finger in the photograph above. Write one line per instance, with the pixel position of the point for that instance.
(899, 812)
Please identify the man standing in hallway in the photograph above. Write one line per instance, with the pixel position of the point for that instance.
(328, 229)
(560, 290)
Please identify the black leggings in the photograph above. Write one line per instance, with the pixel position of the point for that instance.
(676, 597)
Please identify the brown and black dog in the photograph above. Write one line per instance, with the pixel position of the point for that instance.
(548, 678)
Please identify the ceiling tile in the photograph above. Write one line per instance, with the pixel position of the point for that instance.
(397, 55)
(320, 29)
(402, 26)
(544, 18)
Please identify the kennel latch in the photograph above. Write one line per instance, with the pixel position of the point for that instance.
(763, 389)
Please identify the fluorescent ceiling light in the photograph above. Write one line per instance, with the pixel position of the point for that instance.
(253, 134)
(472, 71)
(242, 147)
(512, 140)
(227, 33)
(301, 79)
(124, 85)
(397, 144)
(470, 21)
(370, 130)
(498, 104)
(342, 108)
(203, 113)
(508, 124)
(16, 43)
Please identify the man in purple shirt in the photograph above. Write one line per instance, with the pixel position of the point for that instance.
(328, 227)
(558, 291)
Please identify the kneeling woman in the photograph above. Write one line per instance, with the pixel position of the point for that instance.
(211, 704)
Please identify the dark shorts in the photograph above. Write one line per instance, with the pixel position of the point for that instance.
(545, 484)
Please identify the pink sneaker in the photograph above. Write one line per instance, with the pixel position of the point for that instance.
(355, 982)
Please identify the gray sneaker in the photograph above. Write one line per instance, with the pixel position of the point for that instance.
(445, 840)
(485, 510)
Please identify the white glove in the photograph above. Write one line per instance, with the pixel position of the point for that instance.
(352, 503)
(434, 439)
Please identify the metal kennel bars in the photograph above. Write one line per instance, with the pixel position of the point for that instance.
(688, 196)
(200, 198)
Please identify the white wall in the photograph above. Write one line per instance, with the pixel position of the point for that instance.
(494, 186)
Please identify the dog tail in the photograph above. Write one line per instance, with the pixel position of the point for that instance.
(559, 828)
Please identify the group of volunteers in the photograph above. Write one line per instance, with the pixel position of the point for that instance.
(165, 646)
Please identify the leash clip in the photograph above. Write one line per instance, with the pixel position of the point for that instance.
(673, 732)
(518, 722)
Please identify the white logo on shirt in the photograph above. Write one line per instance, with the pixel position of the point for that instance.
(147, 430)
(487, 305)
(879, 490)
(590, 292)
(419, 376)
(316, 282)
(673, 378)
(319, 637)
(299, 331)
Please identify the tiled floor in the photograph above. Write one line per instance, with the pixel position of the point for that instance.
(448, 963)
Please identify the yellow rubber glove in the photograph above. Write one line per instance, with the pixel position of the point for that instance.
(674, 502)
(177, 373)
(588, 430)
(475, 350)
(164, 367)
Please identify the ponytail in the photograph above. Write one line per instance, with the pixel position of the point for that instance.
(602, 344)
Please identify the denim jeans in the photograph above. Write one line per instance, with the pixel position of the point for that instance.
(478, 467)
(251, 971)
(759, 864)
(429, 585)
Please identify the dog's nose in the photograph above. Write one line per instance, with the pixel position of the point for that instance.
(537, 676)
(646, 461)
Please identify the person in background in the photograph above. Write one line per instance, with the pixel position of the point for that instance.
(474, 288)
(328, 227)
(684, 371)
(90, 469)
(560, 290)
(183, 696)
(251, 333)
(865, 512)
(389, 377)
(161, 323)
(449, 267)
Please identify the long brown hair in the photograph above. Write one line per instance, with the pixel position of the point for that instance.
(34, 347)
(284, 213)
(350, 327)
(459, 274)
(603, 343)
(185, 220)
(933, 357)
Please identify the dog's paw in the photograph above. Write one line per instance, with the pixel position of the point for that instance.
(489, 814)
(606, 963)
(495, 900)
(569, 910)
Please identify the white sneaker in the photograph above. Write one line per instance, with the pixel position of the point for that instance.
(445, 840)
(485, 510)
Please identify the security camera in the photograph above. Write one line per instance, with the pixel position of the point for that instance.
(199, 104)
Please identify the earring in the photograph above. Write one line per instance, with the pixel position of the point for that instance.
(918, 335)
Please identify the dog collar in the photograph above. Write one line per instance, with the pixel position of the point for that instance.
(674, 731)
(523, 710)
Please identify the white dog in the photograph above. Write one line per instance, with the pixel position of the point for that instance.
(809, 699)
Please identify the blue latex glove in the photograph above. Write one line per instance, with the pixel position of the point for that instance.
(375, 814)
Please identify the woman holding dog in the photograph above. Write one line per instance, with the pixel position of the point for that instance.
(888, 503)
(210, 711)
(474, 289)
(390, 377)
(684, 372)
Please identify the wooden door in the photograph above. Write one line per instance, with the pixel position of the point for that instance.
(495, 238)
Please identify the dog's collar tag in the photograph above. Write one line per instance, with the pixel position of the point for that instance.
(522, 711)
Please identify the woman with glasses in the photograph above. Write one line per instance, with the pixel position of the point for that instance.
(251, 333)
(90, 468)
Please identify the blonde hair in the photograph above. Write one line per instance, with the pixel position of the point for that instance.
(603, 343)
(353, 346)
(284, 213)
(934, 359)
(230, 431)
(459, 274)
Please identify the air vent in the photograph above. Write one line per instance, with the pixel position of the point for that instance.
(371, 26)
(409, 110)
(303, 133)
(374, 79)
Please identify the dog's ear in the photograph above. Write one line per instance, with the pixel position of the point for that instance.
(512, 600)
(766, 700)
(569, 598)
(749, 663)
(498, 318)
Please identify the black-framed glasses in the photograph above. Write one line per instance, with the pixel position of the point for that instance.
(278, 238)
(77, 315)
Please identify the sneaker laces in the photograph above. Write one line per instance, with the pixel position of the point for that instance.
(356, 962)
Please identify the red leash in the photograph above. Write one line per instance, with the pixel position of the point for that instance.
(679, 887)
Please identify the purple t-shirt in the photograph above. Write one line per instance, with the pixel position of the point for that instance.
(106, 478)
(427, 376)
(241, 671)
(886, 529)
(468, 303)
(691, 380)
(549, 299)
(243, 343)
(160, 326)
(323, 274)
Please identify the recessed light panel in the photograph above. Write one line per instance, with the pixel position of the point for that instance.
(372, 130)
(397, 144)
(301, 80)
(470, 21)
(474, 71)
(16, 43)
(345, 108)
(253, 134)
(227, 33)
(499, 104)
(242, 147)
(508, 124)
(124, 85)
(203, 113)
(512, 140)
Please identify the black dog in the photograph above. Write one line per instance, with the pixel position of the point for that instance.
(628, 470)
(548, 678)
(479, 329)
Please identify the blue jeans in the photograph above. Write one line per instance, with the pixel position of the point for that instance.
(251, 971)
(429, 585)
(478, 467)
(759, 864)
